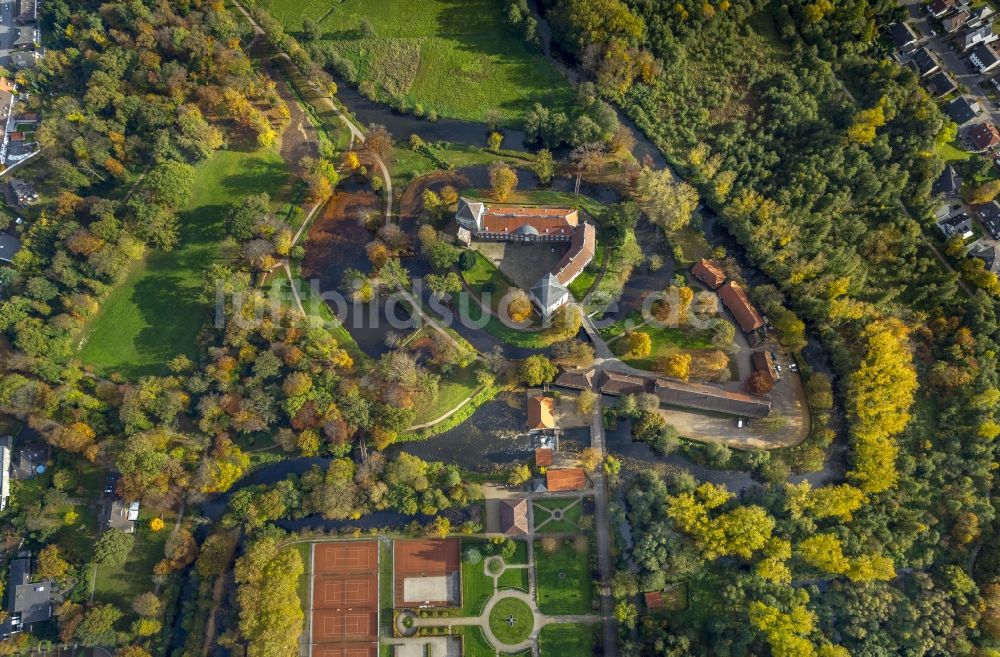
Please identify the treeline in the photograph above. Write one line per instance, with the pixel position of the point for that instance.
(813, 151)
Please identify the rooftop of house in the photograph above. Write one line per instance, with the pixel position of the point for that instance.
(617, 383)
(924, 62)
(962, 111)
(984, 135)
(543, 457)
(514, 516)
(540, 413)
(710, 398)
(735, 299)
(763, 361)
(940, 84)
(708, 273)
(32, 600)
(902, 34)
(948, 183)
(565, 479)
(576, 378)
(9, 245)
(549, 292)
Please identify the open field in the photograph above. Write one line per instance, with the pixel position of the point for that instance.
(564, 581)
(477, 587)
(452, 391)
(121, 584)
(566, 640)
(454, 59)
(157, 312)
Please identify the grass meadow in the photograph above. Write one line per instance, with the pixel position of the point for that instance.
(457, 59)
(157, 312)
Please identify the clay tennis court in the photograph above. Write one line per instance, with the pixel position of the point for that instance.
(427, 573)
(345, 599)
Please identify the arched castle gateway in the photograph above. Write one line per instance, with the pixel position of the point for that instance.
(513, 223)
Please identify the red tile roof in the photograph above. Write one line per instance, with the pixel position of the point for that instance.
(566, 479)
(547, 221)
(708, 273)
(540, 413)
(543, 457)
(654, 599)
(580, 253)
(984, 135)
(735, 299)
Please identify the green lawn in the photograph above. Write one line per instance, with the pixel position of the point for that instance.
(953, 151)
(385, 583)
(484, 278)
(477, 587)
(514, 578)
(474, 642)
(582, 283)
(452, 391)
(564, 582)
(408, 164)
(572, 511)
(511, 621)
(157, 312)
(121, 584)
(566, 640)
(457, 59)
(305, 551)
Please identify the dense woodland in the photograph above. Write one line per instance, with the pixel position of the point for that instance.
(817, 153)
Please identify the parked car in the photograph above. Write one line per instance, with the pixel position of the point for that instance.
(739, 423)
(109, 483)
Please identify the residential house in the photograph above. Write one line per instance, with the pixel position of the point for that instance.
(948, 184)
(939, 8)
(543, 457)
(709, 398)
(30, 461)
(617, 383)
(980, 15)
(962, 110)
(514, 516)
(121, 515)
(540, 413)
(940, 84)
(924, 63)
(28, 11)
(958, 226)
(653, 600)
(763, 361)
(9, 245)
(530, 225)
(27, 37)
(955, 21)
(6, 445)
(708, 273)
(24, 58)
(575, 378)
(984, 58)
(28, 602)
(23, 191)
(982, 137)
(903, 36)
(989, 216)
(979, 36)
(987, 252)
(564, 479)
(735, 299)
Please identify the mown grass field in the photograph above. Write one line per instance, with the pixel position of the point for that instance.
(121, 584)
(452, 391)
(566, 640)
(564, 582)
(454, 58)
(157, 312)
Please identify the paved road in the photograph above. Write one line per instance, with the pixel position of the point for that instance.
(8, 32)
(602, 526)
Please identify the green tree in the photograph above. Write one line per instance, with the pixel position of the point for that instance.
(536, 370)
(113, 547)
